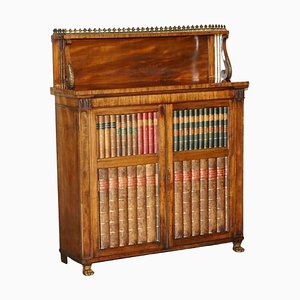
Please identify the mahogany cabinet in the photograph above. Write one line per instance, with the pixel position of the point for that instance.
(149, 141)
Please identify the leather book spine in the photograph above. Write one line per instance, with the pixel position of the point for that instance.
(216, 127)
(196, 129)
(221, 126)
(150, 202)
(113, 135)
(151, 132)
(201, 128)
(146, 133)
(220, 194)
(140, 134)
(101, 127)
(185, 129)
(155, 133)
(104, 208)
(107, 136)
(113, 207)
(195, 197)
(191, 129)
(210, 127)
(226, 193)
(123, 205)
(134, 135)
(225, 122)
(180, 130)
(175, 131)
(123, 135)
(212, 203)
(205, 127)
(129, 134)
(118, 136)
(186, 198)
(178, 210)
(132, 205)
(203, 197)
(141, 204)
(157, 202)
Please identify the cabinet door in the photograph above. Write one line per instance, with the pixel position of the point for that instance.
(129, 191)
(200, 171)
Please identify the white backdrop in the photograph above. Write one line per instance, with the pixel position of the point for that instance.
(263, 48)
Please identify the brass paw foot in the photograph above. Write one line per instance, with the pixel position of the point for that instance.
(237, 247)
(87, 271)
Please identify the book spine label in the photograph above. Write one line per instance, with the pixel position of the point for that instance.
(113, 135)
(132, 205)
(175, 131)
(155, 138)
(150, 202)
(216, 127)
(151, 132)
(210, 127)
(157, 202)
(118, 136)
(113, 207)
(185, 129)
(140, 134)
(212, 205)
(141, 204)
(134, 135)
(129, 135)
(178, 209)
(104, 208)
(195, 197)
(180, 130)
(203, 197)
(220, 194)
(186, 198)
(196, 129)
(221, 126)
(123, 135)
(146, 133)
(101, 126)
(123, 212)
(201, 128)
(205, 127)
(191, 129)
(107, 135)
(225, 125)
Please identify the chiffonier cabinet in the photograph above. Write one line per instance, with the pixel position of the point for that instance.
(149, 141)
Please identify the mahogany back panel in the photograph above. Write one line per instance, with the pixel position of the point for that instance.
(151, 61)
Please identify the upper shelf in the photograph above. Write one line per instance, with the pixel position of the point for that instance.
(93, 59)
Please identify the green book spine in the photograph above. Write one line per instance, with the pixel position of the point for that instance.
(201, 128)
(191, 129)
(196, 129)
(216, 127)
(180, 130)
(221, 126)
(225, 125)
(205, 127)
(175, 131)
(211, 127)
(185, 129)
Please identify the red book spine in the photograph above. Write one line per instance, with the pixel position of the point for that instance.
(155, 132)
(140, 134)
(151, 132)
(146, 133)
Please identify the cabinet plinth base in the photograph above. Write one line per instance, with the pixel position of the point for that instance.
(87, 270)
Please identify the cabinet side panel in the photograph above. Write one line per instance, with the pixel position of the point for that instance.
(68, 181)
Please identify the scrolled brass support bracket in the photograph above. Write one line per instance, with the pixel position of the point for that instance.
(227, 73)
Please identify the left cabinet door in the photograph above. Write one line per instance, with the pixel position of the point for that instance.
(127, 180)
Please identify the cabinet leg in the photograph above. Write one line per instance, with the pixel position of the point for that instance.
(87, 270)
(237, 247)
(64, 258)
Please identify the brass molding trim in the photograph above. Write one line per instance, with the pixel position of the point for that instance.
(141, 29)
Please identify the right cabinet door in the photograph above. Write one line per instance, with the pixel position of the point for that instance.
(200, 172)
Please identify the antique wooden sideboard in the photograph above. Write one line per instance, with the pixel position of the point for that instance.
(149, 141)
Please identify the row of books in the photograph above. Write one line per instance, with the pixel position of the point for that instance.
(130, 134)
(129, 205)
(200, 197)
(200, 128)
